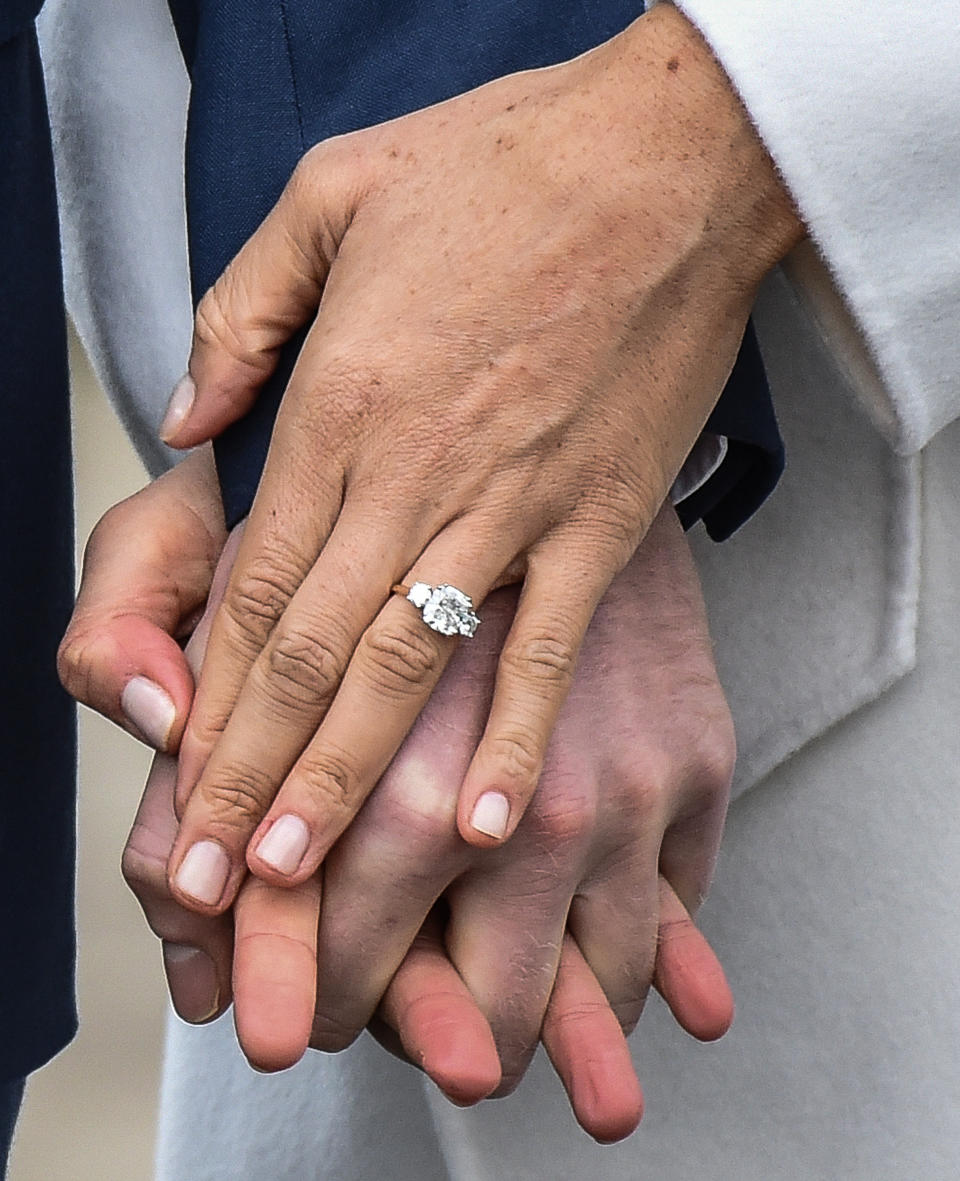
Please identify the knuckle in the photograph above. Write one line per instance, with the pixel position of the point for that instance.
(304, 669)
(425, 810)
(400, 659)
(213, 327)
(610, 517)
(306, 175)
(677, 930)
(85, 659)
(542, 659)
(257, 599)
(585, 1013)
(204, 731)
(237, 798)
(564, 823)
(103, 536)
(329, 778)
(333, 168)
(73, 663)
(649, 793)
(144, 875)
(518, 757)
(718, 755)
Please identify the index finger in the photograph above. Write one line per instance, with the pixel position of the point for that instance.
(269, 290)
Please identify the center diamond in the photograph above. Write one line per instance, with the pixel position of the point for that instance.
(450, 612)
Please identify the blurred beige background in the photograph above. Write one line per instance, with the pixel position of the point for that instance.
(89, 1115)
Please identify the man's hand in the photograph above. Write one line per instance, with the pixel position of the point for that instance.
(529, 299)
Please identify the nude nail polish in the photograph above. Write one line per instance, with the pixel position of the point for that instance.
(491, 813)
(285, 844)
(150, 709)
(180, 404)
(203, 872)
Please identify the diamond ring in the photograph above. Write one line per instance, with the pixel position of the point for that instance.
(443, 608)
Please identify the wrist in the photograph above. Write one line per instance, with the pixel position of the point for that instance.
(684, 118)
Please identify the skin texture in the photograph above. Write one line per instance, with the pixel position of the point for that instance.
(526, 302)
(572, 915)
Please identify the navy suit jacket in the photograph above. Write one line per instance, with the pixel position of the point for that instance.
(272, 77)
(37, 1015)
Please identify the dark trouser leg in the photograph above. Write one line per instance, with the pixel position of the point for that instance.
(11, 1093)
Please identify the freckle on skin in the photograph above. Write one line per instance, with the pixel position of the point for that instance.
(673, 65)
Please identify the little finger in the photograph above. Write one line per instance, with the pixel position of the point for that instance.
(688, 974)
(563, 585)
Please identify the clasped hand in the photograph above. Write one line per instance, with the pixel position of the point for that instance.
(524, 303)
(554, 933)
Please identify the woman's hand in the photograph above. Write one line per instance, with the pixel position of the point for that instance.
(147, 572)
(529, 298)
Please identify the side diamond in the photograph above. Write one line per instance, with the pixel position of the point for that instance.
(419, 594)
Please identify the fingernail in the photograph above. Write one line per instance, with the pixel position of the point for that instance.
(203, 872)
(285, 844)
(179, 406)
(491, 813)
(192, 979)
(150, 709)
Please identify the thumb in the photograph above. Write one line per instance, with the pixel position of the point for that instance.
(269, 290)
(146, 575)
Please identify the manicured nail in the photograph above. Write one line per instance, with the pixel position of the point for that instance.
(192, 979)
(179, 406)
(285, 844)
(203, 872)
(149, 709)
(490, 814)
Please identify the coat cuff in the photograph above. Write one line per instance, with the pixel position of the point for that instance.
(857, 104)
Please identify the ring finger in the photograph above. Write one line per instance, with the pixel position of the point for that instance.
(387, 681)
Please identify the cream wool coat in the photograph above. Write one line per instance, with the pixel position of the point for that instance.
(834, 908)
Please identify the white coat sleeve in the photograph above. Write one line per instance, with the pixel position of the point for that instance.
(117, 92)
(858, 104)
